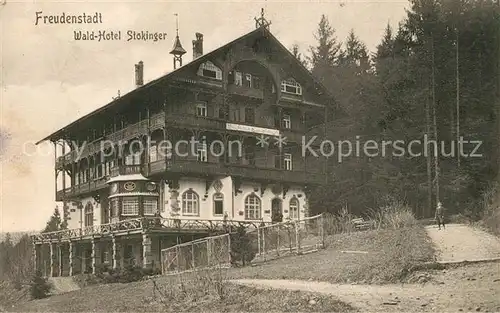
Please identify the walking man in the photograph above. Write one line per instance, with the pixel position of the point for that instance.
(439, 217)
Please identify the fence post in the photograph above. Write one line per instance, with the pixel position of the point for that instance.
(177, 250)
(297, 237)
(322, 229)
(264, 242)
(278, 241)
(192, 255)
(229, 248)
(258, 240)
(208, 252)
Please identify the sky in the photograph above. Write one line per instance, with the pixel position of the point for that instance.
(48, 79)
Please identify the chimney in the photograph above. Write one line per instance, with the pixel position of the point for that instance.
(198, 46)
(139, 74)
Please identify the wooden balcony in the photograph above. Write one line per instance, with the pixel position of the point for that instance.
(92, 185)
(145, 224)
(245, 172)
(125, 170)
(246, 91)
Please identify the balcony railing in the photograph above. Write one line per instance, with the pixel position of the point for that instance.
(158, 224)
(246, 91)
(125, 170)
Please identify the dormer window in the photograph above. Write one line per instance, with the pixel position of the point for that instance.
(287, 121)
(208, 69)
(201, 109)
(291, 86)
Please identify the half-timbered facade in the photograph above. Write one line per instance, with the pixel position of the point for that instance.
(216, 142)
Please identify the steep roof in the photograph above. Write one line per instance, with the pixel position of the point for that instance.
(262, 30)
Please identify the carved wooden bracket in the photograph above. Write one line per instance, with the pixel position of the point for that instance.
(173, 184)
(208, 184)
(285, 190)
(97, 198)
(263, 187)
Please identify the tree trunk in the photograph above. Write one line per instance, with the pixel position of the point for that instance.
(434, 104)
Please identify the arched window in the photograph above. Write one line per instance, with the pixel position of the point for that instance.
(89, 214)
(291, 86)
(294, 208)
(190, 203)
(208, 69)
(252, 207)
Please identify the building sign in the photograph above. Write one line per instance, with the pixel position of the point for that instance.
(253, 129)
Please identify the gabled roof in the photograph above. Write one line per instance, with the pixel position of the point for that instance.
(202, 59)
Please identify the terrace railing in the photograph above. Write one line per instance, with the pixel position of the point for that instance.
(151, 223)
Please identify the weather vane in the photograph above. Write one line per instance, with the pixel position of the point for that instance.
(261, 21)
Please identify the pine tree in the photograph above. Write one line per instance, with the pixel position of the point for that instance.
(325, 55)
(54, 223)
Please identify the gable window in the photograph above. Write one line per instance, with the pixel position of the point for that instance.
(238, 78)
(291, 86)
(252, 207)
(287, 121)
(201, 109)
(208, 69)
(287, 161)
(130, 206)
(249, 115)
(150, 205)
(248, 81)
(190, 203)
(201, 152)
(294, 208)
(218, 204)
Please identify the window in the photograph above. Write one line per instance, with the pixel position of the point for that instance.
(153, 153)
(287, 122)
(115, 207)
(238, 78)
(201, 152)
(248, 81)
(223, 111)
(250, 155)
(252, 207)
(218, 204)
(190, 203)
(291, 86)
(130, 206)
(150, 206)
(208, 69)
(294, 208)
(89, 214)
(249, 115)
(256, 82)
(201, 109)
(133, 159)
(287, 161)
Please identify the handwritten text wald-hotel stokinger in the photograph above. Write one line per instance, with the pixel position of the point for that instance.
(107, 35)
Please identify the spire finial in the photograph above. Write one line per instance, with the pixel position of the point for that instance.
(261, 21)
(177, 24)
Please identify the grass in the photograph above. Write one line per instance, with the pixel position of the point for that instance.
(188, 296)
(391, 256)
(491, 210)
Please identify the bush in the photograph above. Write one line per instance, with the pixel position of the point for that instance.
(40, 286)
(242, 249)
(394, 216)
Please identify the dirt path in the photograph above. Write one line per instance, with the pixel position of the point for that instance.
(472, 288)
(461, 242)
(63, 284)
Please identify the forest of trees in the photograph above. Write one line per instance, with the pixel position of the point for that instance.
(436, 75)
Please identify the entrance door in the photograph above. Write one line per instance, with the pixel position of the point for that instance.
(276, 211)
